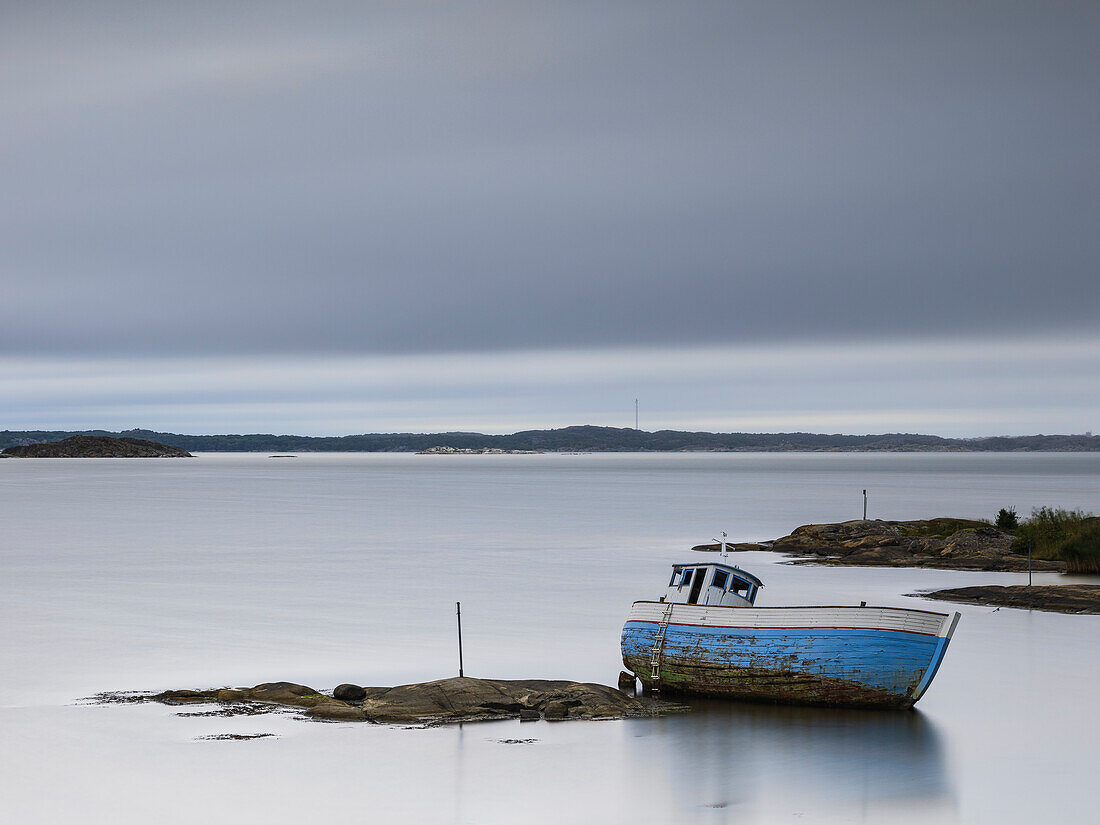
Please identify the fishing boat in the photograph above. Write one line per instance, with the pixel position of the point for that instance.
(706, 636)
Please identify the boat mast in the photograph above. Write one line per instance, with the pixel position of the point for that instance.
(723, 543)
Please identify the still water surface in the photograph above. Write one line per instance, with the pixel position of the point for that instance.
(236, 569)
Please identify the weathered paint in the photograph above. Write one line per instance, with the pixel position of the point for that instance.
(816, 655)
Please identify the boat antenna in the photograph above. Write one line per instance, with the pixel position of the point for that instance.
(722, 541)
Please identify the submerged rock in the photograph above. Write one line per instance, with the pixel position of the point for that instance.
(336, 711)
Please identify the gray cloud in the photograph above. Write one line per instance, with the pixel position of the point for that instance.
(399, 177)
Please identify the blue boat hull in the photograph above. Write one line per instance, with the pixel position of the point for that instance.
(826, 665)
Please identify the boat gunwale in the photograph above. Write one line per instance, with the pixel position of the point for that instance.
(788, 627)
(793, 607)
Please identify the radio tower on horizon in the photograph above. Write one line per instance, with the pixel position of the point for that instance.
(635, 413)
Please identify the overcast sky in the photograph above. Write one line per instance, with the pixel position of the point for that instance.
(330, 218)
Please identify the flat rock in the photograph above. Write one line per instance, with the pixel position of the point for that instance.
(1058, 598)
(276, 693)
(465, 698)
(286, 693)
(731, 547)
(336, 711)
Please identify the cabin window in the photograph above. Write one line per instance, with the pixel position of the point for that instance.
(720, 577)
(672, 581)
(740, 587)
(686, 576)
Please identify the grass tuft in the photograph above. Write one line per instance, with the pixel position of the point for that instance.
(1082, 551)
(942, 528)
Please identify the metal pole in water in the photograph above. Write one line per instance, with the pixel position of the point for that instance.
(865, 505)
(458, 612)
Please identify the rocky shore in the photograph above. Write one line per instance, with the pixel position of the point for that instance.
(459, 699)
(1059, 598)
(947, 543)
(475, 451)
(95, 446)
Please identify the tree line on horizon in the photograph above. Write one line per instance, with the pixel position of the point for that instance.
(583, 439)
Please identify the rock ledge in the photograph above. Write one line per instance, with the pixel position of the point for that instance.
(459, 699)
(1057, 598)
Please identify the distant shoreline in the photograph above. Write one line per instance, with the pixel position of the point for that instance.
(582, 439)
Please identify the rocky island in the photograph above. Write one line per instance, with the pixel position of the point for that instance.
(458, 699)
(95, 446)
(947, 543)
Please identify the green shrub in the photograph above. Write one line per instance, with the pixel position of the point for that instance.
(1007, 518)
(1082, 551)
(1048, 529)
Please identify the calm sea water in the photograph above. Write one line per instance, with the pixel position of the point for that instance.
(237, 569)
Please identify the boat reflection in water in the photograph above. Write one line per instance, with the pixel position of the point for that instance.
(766, 762)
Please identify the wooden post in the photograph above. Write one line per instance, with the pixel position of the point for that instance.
(458, 612)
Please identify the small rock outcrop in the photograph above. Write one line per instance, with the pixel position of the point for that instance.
(96, 446)
(459, 699)
(349, 693)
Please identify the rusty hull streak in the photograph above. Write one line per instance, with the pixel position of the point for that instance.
(777, 687)
(788, 679)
